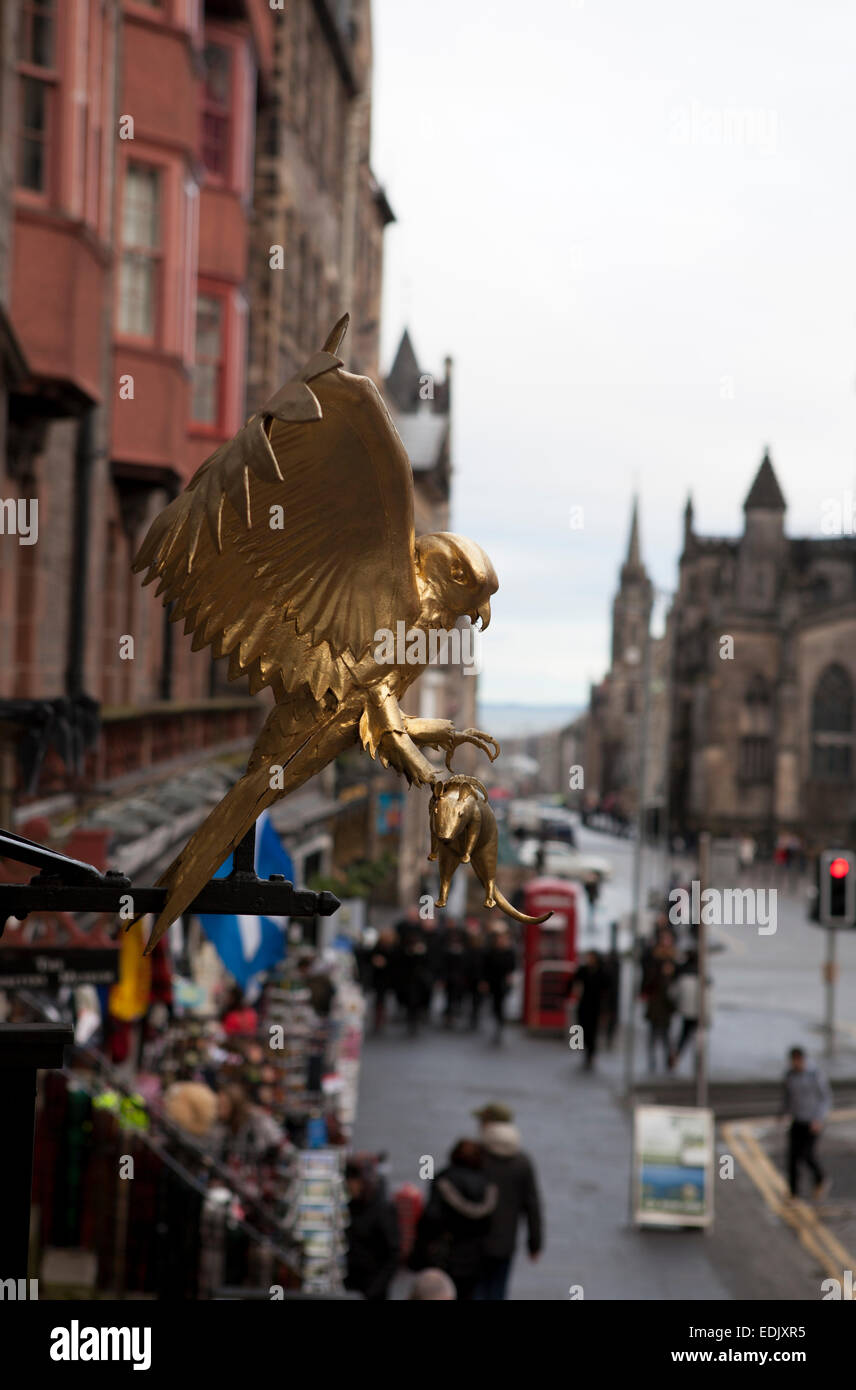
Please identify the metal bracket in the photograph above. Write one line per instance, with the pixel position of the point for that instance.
(68, 885)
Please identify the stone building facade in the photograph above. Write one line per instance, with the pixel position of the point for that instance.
(135, 138)
(763, 717)
(319, 212)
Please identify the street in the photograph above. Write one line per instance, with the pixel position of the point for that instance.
(417, 1097)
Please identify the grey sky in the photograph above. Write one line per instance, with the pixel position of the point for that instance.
(633, 228)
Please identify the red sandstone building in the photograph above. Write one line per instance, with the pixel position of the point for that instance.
(153, 152)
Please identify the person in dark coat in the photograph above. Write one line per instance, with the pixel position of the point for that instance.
(589, 988)
(384, 965)
(513, 1173)
(612, 997)
(456, 1219)
(659, 1011)
(373, 1238)
(498, 968)
(454, 971)
(417, 969)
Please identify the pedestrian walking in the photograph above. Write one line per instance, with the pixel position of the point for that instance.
(659, 1011)
(416, 974)
(513, 1173)
(373, 1240)
(592, 892)
(685, 994)
(806, 1100)
(454, 1225)
(589, 989)
(383, 963)
(499, 964)
(612, 997)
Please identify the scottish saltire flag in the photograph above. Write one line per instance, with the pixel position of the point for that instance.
(248, 946)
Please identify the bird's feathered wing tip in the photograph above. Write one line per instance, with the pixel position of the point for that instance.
(293, 403)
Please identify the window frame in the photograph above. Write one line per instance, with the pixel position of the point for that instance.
(828, 743)
(223, 111)
(206, 289)
(156, 255)
(50, 79)
(757, 770)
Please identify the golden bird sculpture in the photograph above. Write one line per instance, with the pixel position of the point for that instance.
(292, 546)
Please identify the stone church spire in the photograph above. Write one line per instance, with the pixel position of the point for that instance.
(633, 567)
(631, 606)
(762, 548)
(633, 546)
(765, 495)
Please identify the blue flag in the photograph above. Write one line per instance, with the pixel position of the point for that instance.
(249, 946)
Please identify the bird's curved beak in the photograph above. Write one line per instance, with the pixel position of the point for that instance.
(484, 613)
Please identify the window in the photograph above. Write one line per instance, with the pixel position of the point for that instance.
(757, 692)
(755, 732)
(36, 38)
(36, 78)
(832, 726)
(216, 119)
(755, 759)
(209, 360)
(138, 271)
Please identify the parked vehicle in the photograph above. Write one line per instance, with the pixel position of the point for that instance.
(560, 860)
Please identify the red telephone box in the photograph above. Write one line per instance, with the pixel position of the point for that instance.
(550, 952)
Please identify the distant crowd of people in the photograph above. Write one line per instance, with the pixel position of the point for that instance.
(414, 960)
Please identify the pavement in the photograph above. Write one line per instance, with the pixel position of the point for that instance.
(416, 1099)
(417, 1095)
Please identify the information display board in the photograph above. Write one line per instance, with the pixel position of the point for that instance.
(672, 1166)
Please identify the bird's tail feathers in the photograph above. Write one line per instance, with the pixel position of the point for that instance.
(211, 844)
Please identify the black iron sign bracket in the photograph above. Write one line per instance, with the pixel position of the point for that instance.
(68, 885)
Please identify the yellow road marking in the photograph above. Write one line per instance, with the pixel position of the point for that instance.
(815, 1237)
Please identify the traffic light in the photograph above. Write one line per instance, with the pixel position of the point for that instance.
(837, 897)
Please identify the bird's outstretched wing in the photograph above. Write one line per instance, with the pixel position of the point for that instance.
(294, 542)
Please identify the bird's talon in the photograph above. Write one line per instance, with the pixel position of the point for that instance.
(484, 742)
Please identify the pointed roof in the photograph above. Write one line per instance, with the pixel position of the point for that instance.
(765, 495)
(633, 544)
(402, 382)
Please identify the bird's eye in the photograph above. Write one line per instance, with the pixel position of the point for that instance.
(457, 574)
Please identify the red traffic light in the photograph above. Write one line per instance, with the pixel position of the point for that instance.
(839, 868)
